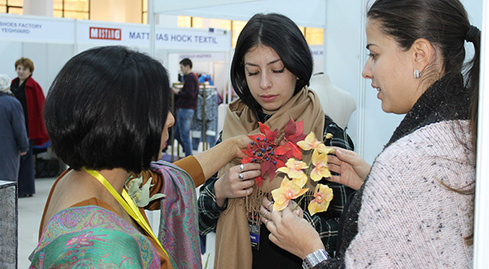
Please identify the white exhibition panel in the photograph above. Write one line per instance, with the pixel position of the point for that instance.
(50, 42)
(56, 30)
(36, 29)
(309, 13)
(481, 232)
(138, 35)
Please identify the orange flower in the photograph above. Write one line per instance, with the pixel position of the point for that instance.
(293, 168)
(320, 162)
(322, 196)
(288, 190)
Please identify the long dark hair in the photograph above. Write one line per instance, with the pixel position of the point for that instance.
(442, 22)
(285, 38)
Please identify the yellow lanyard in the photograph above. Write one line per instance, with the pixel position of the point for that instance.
(127, 203)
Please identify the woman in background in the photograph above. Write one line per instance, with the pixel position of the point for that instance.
(31, 96)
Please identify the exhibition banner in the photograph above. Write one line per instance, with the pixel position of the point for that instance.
(139, 35)
(58, 30)
(36, 29)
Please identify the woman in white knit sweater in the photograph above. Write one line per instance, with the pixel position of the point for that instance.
(414, 207)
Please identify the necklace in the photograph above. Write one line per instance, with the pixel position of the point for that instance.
(127, 203)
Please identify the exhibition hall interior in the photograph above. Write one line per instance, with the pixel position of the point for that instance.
(51, 32)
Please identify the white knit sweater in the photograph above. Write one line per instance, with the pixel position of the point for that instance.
(408, 218)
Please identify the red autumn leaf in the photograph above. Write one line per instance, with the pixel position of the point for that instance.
(280, 162)
(296, 151)
(282, 150)
(290, 128)
(271, 172)
(264, 167)
(296, 138)
(268, 133)
(299, 127)
(258, 180)
(294, 131)
(247, 160)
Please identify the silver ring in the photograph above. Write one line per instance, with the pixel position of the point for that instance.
(241, 167)
(266, 221)
(269, 204)
(240, 176)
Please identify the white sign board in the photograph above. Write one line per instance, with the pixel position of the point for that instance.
(41, 30)
(138, 35)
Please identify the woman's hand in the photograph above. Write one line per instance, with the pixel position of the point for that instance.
(352, 168)
(267, 207)
(290, 231)
(241, 142)
(237, 182)
(218, 156)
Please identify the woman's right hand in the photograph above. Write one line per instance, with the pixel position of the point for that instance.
(293, 233)
(230, 185)
(352, 168)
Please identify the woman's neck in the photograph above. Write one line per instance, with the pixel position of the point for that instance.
(116, 177)
(263, 117)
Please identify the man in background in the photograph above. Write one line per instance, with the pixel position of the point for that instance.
(185, 105)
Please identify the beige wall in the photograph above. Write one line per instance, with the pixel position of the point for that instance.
(116, 10)
(38, 7)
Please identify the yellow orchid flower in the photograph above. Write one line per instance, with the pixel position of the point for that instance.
(320, 162)
(288, 190)
(322, 196)
(310, 142)
(293, 168)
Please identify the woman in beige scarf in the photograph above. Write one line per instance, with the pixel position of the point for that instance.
(270, 72)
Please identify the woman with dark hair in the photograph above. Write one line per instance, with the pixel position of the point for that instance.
(107, 114)
(416, 206)
(270, 71)
(31, 96)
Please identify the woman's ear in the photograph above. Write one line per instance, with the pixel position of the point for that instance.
(423, 53)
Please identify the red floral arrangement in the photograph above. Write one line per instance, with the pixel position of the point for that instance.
(272, 148)
(282, 152)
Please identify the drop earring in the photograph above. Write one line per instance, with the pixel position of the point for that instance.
(417, 75)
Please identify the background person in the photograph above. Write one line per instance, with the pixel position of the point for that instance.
(270, 71)
(416, 207)
(185, 105)
(31, 96)
(13, 136)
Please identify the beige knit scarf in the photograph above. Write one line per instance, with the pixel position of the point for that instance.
(233, 247)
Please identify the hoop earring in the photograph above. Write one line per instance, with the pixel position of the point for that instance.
(417, 75)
